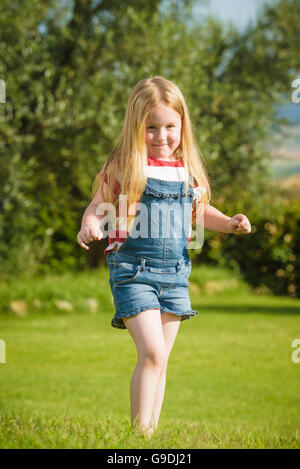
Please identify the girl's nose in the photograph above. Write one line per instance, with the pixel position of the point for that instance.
(161, 136)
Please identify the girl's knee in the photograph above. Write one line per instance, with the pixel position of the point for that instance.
(147, 333)
(155, 358)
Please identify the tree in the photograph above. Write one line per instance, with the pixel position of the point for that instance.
(69, 68)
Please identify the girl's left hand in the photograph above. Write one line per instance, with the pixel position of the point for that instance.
(239, 224)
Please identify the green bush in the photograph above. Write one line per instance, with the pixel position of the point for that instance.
(268, 258)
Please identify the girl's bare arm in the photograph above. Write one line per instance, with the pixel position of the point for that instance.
(91, 222)
(217, 221)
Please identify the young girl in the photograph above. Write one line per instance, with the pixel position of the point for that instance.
(157, 165)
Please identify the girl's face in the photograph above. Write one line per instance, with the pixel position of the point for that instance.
(163, 131)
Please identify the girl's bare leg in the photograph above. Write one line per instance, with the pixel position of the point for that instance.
(170, 325)
(146, 330)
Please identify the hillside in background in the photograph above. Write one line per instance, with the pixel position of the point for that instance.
(285, 150)
(291, 112)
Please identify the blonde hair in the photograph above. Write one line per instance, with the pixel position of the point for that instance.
(129, 157)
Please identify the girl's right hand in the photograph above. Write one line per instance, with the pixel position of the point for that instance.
(87, 234)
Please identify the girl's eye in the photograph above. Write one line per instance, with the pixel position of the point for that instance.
(152, 126)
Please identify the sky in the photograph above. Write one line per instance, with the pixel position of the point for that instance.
(240, 12)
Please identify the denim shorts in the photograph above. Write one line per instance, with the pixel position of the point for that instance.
(139, 284)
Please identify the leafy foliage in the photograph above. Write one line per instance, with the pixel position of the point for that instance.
(69, 68)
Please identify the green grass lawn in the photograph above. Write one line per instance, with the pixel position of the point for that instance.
(231, 382)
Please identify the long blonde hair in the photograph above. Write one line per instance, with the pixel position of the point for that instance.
(126, 163)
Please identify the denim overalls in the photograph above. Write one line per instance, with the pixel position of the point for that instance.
(152, 271)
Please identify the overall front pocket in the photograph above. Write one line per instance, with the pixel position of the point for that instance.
(123, 272)
(185, 271)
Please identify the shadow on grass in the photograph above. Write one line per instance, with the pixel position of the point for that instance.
(244, 308)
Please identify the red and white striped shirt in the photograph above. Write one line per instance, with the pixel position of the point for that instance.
(157, 169)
